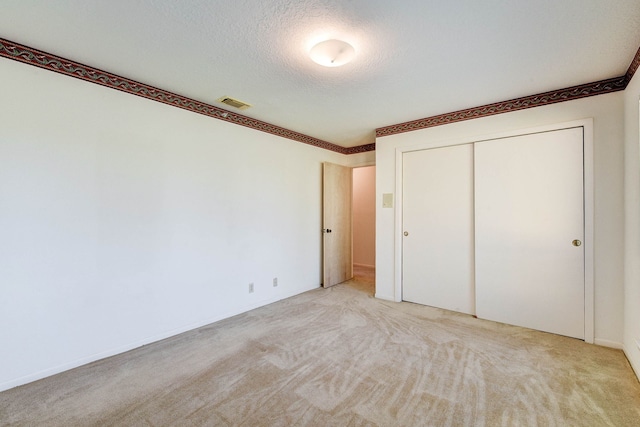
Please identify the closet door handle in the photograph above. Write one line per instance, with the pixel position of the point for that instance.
(576, 243)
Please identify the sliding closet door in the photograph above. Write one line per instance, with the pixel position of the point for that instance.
(529, 228)
(437, 268)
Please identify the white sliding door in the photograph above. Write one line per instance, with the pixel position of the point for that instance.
(529, 227)
(437, 251)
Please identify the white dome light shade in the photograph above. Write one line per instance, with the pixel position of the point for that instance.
(332, 53)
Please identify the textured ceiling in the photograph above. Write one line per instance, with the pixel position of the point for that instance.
(415, 58)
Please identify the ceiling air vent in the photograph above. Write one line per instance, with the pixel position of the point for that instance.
(234, 103)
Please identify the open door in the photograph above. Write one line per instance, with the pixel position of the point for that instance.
(336, 224)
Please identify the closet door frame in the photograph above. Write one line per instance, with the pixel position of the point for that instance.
(587, 125)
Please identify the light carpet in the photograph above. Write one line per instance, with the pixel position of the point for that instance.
(339, 357)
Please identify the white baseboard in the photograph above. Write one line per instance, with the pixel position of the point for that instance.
(607, 343)
(363, 265)
(385, 297)
(628, 354)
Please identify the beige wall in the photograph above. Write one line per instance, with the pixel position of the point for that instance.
(364, 216)
(124, 220)
(607, 113)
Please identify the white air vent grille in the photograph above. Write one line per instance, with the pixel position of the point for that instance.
(234, 103)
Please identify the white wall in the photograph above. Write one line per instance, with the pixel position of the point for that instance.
(607, 111)
(124, 221)
(364, 216)
(632, 224)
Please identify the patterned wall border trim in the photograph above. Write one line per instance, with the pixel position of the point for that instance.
(360, 149)
(55, 63)
(547, 98)
(633, 67)
(50, 62)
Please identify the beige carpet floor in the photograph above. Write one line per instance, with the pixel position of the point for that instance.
(339, 357)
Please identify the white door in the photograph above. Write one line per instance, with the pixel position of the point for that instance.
(437, 254)
(336, 224)
(529, 213)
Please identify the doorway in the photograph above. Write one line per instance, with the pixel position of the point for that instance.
(364, 223)
(348, 225)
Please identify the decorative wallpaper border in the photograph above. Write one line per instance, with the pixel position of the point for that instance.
(552, 97)
(84, 72)
(633, 67)
(55, 63)
(547, 98)
(360, 149)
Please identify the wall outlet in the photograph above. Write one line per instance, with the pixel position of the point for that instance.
(250, 288)
(275, 282)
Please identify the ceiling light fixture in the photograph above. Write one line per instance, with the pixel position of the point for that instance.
(332, 53)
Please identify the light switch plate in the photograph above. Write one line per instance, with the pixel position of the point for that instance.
(387, 200)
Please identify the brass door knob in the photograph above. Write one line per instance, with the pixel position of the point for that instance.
(406, 233)
(576, 242)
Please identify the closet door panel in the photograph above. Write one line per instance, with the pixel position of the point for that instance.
(438, 248)
(529, 225)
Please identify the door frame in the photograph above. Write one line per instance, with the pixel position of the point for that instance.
(587, 125)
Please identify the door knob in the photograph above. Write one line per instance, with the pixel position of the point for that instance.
(576, 242)
(406, 233)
